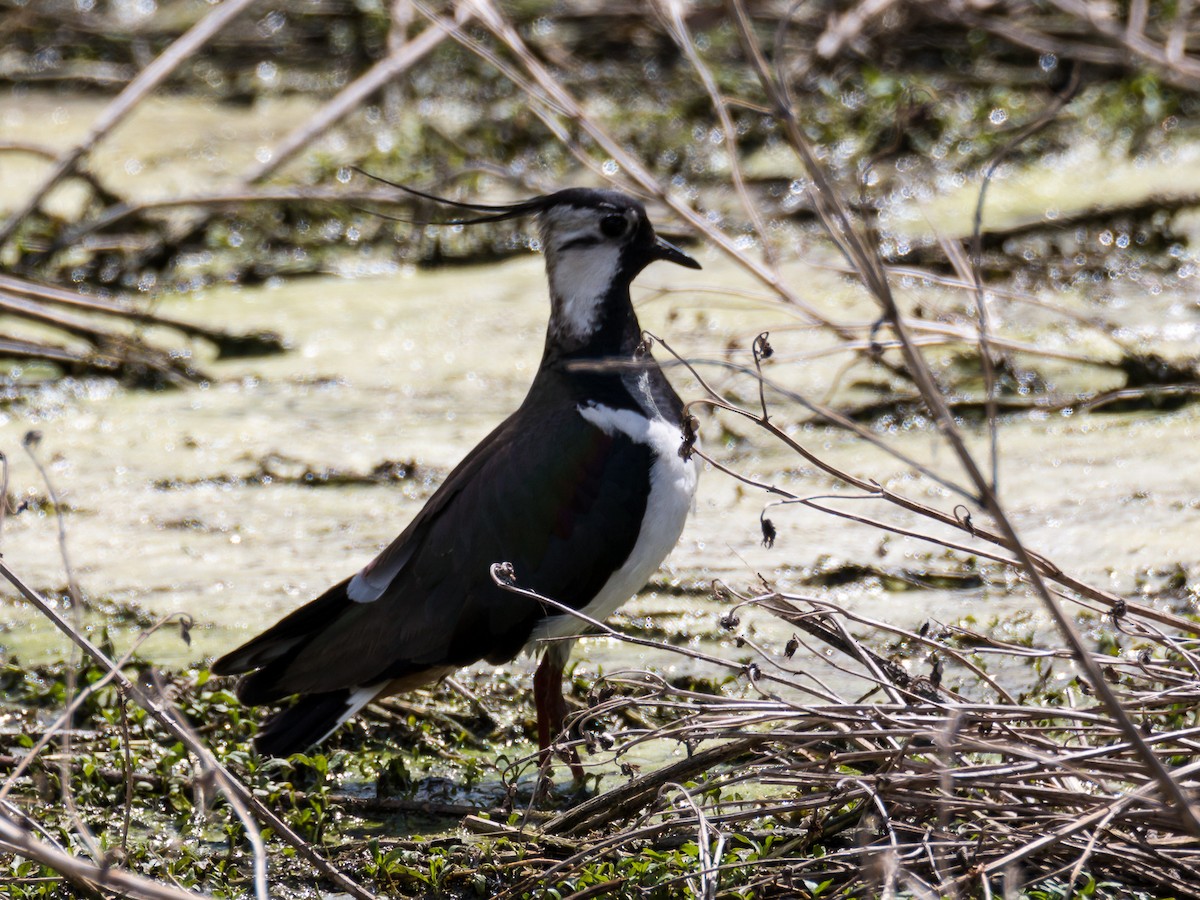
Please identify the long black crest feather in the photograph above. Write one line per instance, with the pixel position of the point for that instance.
(499, 212)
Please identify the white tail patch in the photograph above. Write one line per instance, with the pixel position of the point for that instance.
(359, 697)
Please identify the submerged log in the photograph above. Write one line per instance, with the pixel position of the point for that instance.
(108, 336)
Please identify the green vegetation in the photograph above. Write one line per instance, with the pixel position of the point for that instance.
(387, 798)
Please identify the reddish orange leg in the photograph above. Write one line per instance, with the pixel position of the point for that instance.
(552, 711)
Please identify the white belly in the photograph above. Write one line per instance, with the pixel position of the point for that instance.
(672, 489)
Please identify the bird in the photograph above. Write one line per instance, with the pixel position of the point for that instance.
(583, 490)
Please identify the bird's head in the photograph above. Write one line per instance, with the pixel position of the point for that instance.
(603, 223)
(595, 242)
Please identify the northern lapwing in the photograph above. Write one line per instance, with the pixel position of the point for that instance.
(584, 490)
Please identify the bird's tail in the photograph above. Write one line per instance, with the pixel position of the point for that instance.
(311, 719)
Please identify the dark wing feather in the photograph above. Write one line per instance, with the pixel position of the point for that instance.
(302, 724)
(285, 634)
(564, 510)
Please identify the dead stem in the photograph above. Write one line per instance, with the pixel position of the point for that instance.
(142, 86)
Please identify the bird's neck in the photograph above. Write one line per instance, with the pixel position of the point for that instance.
(612, 332)
(591, 314)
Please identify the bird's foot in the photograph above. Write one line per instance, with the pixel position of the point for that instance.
(567, 754)
(566, 795)
(571, 757)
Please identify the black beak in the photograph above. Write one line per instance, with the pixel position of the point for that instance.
(671, 253)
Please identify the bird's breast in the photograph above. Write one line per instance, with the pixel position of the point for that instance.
(672, 476)
(672, 490)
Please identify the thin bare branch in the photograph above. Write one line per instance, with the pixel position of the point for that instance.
(842, 231)
(146, 82)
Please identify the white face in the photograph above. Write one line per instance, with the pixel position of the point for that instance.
(583, 255)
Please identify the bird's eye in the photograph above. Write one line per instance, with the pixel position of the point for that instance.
(614, 225)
